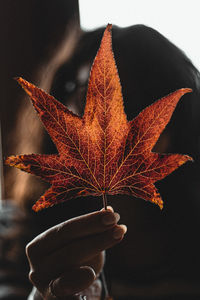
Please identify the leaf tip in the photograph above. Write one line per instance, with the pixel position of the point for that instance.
(27, 86)
(185, 158)
(109, 27)
(41, 204)
(17, 78)
(186, 90)
(36, 208)
(17, 162)
(157, 200)
(10, 160)
(21, 81)
(6, 161)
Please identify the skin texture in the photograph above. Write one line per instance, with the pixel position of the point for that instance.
(70, 255)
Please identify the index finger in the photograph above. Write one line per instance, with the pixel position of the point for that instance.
(65, 232)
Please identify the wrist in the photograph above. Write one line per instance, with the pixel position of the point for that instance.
(35, 295)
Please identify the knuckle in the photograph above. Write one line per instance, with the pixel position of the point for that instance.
(33, 277)
(58, 228)
(36, 278)
(97, 263)
(30, 249)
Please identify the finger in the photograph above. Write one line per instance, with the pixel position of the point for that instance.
(78, 253)
(108, 208)
(62, 234)
(73, 282)
(96, 262)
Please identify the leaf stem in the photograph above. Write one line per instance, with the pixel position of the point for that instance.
(104, 200)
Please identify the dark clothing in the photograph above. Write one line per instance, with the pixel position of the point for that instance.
(15, 232)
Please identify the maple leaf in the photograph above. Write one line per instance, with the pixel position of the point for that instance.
(101, 153)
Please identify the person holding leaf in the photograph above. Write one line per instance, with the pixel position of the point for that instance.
(68, 258)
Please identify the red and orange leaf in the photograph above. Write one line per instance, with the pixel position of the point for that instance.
(101, 152)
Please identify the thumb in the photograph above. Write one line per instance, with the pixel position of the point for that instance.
(72, 282)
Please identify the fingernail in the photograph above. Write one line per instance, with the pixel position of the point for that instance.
(109, 208)
(110, 218)
(119, 232)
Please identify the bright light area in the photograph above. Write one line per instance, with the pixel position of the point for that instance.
(178, 20)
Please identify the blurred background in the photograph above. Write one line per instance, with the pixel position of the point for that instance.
(52, 44)
(37, 37)
(177, 20)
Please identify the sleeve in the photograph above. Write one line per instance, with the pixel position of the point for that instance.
(14, 235)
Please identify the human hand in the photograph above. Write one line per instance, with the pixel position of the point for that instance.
(69, 256)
